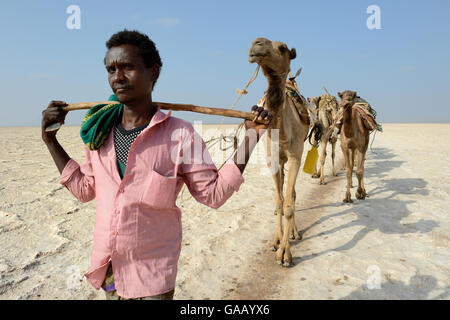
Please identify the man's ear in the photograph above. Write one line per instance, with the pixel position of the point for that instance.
(155, 69)
(292, 54)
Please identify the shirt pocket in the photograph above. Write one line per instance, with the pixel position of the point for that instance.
(159, 191)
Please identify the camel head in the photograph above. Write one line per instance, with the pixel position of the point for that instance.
(328, 102)
(274, 57)
(347, 98)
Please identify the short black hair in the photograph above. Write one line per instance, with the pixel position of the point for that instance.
(147, 48)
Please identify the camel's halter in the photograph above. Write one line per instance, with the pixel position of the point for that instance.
(230, 138)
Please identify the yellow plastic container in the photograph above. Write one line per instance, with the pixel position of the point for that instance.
(311, 160)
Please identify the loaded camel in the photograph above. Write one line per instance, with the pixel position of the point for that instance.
(354, 142)
(290, 118)
(326, 108)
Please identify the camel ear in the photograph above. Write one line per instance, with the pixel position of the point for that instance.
(292, 54)
(340, 94)
(318, 99)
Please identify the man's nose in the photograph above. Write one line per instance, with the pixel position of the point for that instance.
(119, 75)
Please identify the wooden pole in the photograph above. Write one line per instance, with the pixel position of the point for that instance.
(177, 107)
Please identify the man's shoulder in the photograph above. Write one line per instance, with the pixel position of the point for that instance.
(177, 123)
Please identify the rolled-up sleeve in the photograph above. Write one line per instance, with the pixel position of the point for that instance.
(79, 180)
(206, 184)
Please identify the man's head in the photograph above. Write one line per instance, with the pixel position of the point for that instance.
(133, 65)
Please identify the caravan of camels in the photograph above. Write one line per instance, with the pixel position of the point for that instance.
(324, 118)
(295, 120)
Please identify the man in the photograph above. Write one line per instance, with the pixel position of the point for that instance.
(135, 179)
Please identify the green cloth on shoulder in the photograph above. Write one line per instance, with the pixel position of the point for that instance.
(98, 122)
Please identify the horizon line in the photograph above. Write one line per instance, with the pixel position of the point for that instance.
(215, 124)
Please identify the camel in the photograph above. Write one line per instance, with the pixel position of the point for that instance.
(354, 142)
(290, 118)
(326, 108)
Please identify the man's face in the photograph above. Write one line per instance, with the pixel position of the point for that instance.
(128, 76)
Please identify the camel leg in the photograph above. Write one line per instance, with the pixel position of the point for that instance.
(279, 232)
(316, 174)
(278, 180)
(279, 186)
(344, 166)
(283, 255)
(361, 192)
(348, 169)
(293, 233)
(323, 156)
(352, 165)
(290, 191)
(333, 148)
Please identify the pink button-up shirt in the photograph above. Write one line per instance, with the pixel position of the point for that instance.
(138, 225)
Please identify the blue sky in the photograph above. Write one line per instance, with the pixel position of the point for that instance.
(403, 70)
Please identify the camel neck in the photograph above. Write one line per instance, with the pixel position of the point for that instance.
(275, 93)
(347, 119)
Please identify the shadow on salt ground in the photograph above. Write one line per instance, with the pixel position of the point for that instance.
(383, 214)
(419, 288)
(378, 163)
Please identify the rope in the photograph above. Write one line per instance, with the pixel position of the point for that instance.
(244, 91)
(230, 138)
(373, 139)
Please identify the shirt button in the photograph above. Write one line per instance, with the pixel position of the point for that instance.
(121, 190)
(116, 233)
(114, 252)
(117, 211)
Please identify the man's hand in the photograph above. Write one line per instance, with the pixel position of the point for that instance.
(54, 113)
(262, 115)
(245, 149)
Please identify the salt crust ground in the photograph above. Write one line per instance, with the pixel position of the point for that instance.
(393, 245)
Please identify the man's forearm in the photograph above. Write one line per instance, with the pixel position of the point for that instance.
(244, 151)
(59, 155)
